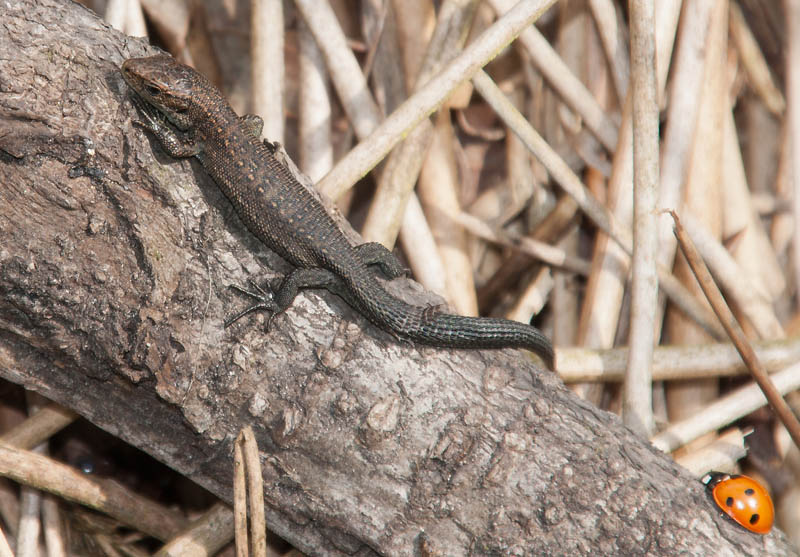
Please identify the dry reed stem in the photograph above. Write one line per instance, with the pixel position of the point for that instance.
(552, 255)
(724, 410)
(39, 427)
(40, 472)
(115, 14)
(135, 25)
(415, 20)
(637, 407)
(345, 72)
(421, 250)
(564, 305)
(533, 298)
(30, 518)
(556, 223)
(782, 228)
(314, 123)
(438, 192)
(792, 11)
(30, 501)
(696, 361)
(601, 309)
(255, 491)
(52, 527)
(597, 316)
(615, 44)
(701, 193)
(9, 506)
(561, 79)
(171, 21)
(126, 16)
(736, 334)
(684, 91)
(519, 190)
(754, 62)
(403, 167)
(752, 248)
(750, 298)
(364, 156)
(571, 184)
(787, 451)
(600, 312)
(721, 454)
(240, 501)
(205, 536)
(5, 549)
(266, 65)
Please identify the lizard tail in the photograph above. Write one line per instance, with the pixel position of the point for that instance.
(428, 325)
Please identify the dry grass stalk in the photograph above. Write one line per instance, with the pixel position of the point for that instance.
(701, 194)
(724, 411)
(792, 9)
(314, 125)
(754, 63)
(559, 76)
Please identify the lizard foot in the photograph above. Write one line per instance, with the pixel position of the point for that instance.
(266, 302)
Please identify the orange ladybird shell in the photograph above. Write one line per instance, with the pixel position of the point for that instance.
(744, 500)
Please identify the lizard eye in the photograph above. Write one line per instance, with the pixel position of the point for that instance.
(152, 90)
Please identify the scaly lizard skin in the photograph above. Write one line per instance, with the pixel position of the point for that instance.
(190, 117)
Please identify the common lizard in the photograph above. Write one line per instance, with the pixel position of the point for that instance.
(190, 117)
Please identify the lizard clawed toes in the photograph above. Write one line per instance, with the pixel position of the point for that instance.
(265, 300)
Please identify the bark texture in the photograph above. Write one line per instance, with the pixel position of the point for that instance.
(115, 266)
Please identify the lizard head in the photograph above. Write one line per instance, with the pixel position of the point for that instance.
(166, 84)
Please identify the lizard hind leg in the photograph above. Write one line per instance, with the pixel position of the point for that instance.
(265, 300)
(376, 254)
(276, 301)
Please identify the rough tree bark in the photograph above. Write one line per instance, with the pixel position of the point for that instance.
(115, 263)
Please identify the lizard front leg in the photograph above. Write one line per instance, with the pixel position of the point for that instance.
(253, 123)
(176, 144)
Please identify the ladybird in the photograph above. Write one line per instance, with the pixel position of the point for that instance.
(743, 499)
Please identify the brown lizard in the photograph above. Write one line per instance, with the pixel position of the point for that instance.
(190, 117)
